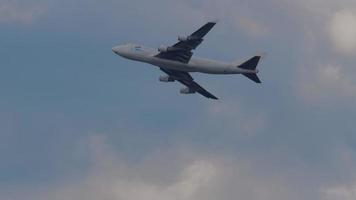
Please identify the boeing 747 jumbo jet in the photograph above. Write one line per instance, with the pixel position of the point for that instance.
(177, 61)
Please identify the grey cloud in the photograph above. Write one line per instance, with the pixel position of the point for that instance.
(343, 31)
(199, 176)
(21, 12)
(340, 193)
(327, 83)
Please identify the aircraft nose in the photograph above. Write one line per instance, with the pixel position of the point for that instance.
(115, 50)
(120, 50)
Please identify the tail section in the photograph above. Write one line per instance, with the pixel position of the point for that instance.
(253, 77)
(251, 65)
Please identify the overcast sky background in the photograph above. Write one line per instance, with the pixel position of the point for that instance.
(80, 123)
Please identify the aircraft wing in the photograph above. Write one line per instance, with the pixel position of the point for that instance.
(186, 79)
(182, 51)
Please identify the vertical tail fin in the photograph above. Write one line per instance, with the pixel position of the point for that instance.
(251, 64)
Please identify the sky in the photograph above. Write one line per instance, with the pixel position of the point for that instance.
(77, 122)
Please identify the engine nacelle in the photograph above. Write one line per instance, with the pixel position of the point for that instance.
(163, 49)
(166, 79)
(186, 38)
(186, 90)
(166, 49)
(183, 38)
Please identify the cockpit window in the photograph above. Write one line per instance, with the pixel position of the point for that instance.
(138, 48)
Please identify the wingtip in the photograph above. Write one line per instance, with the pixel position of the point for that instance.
(262, 55)
(215, 21)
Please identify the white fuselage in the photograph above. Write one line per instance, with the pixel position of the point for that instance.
(147, 55)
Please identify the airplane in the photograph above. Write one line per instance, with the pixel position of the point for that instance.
(177, 61)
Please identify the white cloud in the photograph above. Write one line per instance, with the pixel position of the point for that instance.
(343, 31)
(231, 13)
(340, 193)
(198, 177)
(327, 27)
(236, 118)
(192, 179)
(16, 11)
(326, 83)
(252, 27)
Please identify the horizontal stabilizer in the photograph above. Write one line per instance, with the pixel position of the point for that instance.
(253, 77)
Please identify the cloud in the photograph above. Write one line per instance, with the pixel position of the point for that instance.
(252, 27)
(190, 181)
(20, 12)
(343, 31)
(180, 175)
(249, 122)
(340, 193)
(324, 71)
(326, 83)
(233, 14)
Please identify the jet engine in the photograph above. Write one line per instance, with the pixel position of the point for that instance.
(166, 79)
(183, 38)
(165, 49)
(186, 90)
(186, 38)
